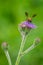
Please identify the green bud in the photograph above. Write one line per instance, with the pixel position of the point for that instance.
(4, 45)
(37, 41)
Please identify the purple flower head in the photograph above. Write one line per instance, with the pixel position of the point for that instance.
(27, 24)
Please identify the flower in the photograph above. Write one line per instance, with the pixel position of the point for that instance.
(26, 26)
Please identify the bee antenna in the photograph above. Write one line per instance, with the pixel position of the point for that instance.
(26, 13)
(34, 15)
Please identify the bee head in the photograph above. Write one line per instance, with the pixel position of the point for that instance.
(29, 19)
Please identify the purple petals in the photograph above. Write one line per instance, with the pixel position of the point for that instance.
(25, 27)
(27, 24)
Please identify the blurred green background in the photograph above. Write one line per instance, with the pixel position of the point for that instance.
(12, 12)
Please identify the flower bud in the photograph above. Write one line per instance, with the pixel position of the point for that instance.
(37, 41)
(4, 45)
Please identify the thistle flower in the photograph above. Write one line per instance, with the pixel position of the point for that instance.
(27, 24)
(24, 28)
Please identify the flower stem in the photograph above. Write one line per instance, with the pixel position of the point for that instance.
(8, 56)
(35, 43)
(28, 50)
(20, 51)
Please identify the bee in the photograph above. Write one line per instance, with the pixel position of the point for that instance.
(29, 19)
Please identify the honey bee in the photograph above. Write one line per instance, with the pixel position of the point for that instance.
(29, 19)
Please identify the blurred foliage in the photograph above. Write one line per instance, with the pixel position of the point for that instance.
(11, 14)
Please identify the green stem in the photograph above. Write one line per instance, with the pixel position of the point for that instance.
(20, 51)
(28, 50)
(35, 43)
(8, 56)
